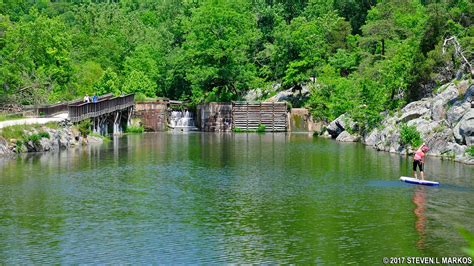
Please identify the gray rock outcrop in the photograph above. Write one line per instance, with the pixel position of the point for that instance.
(445, 122)
(464, 130)
(414, 110)
(341, 124)
(60, 138)
(347, 137)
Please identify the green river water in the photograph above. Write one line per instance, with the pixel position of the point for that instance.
(228, 198)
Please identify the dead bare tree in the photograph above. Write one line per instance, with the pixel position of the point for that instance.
(459, 52)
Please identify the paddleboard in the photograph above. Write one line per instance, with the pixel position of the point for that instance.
(413, 180)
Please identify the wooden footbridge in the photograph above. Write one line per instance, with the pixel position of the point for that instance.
(108, 115)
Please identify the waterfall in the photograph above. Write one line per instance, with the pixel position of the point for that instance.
(182, 120)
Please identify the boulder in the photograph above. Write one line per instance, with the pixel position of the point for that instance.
(447, 95)
(457, 111)
(291, 94)
(439, 142)
(464, 130)
(372, 138)
(424, 126)
(4, 149)
(340, 124)
(469, 94)
(437, 110)
(458, 150)
(347, 137)
(44, 144)
(414, 110)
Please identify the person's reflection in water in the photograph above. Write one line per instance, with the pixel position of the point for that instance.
(419, 200)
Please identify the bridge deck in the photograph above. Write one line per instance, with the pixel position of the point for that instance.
(83, 111)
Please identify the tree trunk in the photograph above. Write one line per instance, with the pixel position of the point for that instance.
(383, 47)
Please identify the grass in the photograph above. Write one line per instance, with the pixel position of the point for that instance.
(15, 132)
(6, 117)
(135, 129)
(18, 131)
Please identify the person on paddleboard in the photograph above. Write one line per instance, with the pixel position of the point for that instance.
(418, 160)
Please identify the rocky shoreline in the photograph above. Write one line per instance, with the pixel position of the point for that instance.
(45, 139)
(445, 122)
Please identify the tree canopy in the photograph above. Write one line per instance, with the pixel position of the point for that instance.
(359, 57)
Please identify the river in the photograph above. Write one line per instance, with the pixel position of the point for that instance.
(215, 198)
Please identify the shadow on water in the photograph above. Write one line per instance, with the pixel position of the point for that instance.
(217, 198)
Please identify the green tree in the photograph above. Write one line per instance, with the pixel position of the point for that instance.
(139, 82)
(218, 42)
(108, 83)
(35, 59)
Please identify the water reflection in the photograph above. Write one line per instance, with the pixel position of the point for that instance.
(420, 202)
(217, 198)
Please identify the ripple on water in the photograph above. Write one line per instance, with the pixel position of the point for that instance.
(209, 198)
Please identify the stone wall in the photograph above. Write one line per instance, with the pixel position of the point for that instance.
(214, 117)
(153, 115)
(302, 121)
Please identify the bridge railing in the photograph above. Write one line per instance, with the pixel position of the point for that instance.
(83, 111)
(52, 109)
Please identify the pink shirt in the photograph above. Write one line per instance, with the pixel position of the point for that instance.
(419, 154)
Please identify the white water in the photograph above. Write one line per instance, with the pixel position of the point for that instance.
(182, 120)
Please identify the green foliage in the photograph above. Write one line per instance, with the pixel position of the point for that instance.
(14, 132)
(359, 57)
(108, 83)
(19, 131)
(19, 146)
(470, 151)
(261, 128)
(135, 129)
(5, 117)
(35, 56)
(35, 138)
(139, 82)
(140, 97)
(44, 135)
(84, 127)
(237, 130)
(219, 37)
(410, 136)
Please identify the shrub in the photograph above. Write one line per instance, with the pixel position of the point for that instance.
(140, 97)
(237, 129)
(84, 127)
(410, 136)
(135, 129)
(44, 135)
(261, 128)
(19, 146)
(35, 138)
(470, 151)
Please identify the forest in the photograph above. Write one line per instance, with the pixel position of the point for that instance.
(361, 57)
